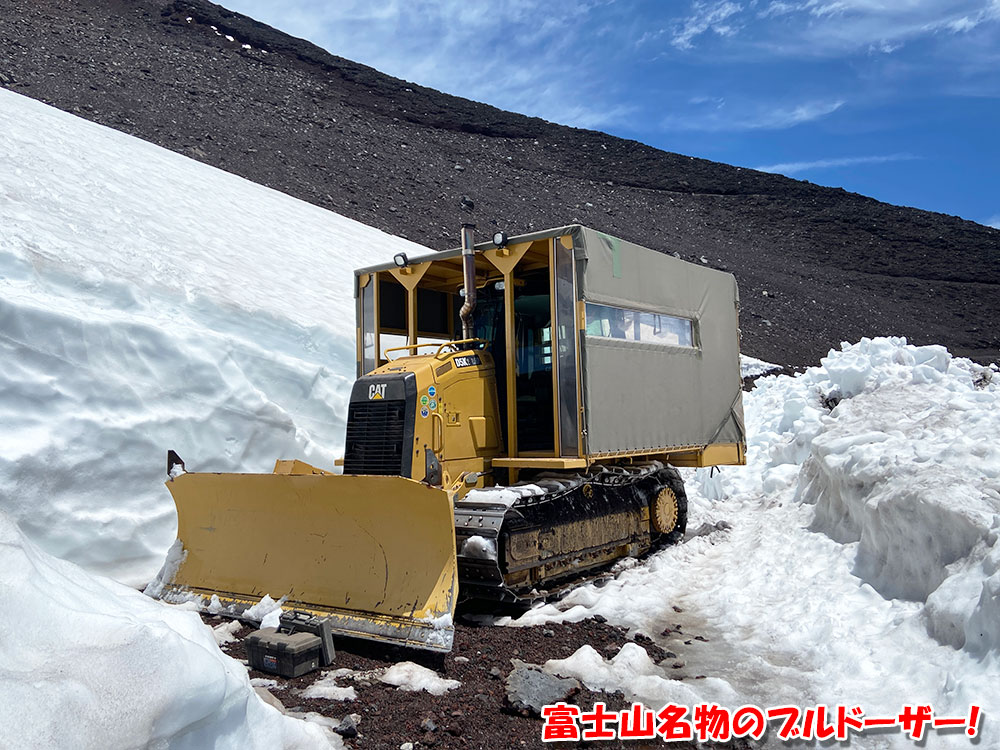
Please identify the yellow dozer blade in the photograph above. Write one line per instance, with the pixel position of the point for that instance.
(373, 554)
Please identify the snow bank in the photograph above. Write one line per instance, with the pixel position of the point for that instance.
(908, 466)
(89, 663)
(150, 302)
(853, 560)
(409, 676)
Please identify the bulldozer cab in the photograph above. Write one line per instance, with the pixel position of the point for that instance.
(525, 319)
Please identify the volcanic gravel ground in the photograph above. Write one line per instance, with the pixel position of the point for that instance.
(476, 714)
(815, 265)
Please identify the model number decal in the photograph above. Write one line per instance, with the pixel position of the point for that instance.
(470, 361)
(376, 391)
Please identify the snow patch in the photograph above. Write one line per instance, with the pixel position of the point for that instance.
(479, 548)
(504, 495)
(175, 557)
(267, 611)
(751, 367)
(409, 676)
(442, 630)
(226, 633)
(632, 671)
(327, 688)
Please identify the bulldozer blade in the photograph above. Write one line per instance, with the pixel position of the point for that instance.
(374, 555)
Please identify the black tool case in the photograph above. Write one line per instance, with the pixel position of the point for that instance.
(287, 655)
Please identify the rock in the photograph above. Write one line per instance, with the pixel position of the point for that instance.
(529, 689)
(429, 725)
(268, 698)
(600, 618)
(461, 659)
(495, 671)
(549, 633)
(406, 746)
(348, 726)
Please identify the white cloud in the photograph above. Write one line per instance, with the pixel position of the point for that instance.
(994, 222)
(649, 36)
(886, 48)
(717, 101)
(755, 117)
(705, 17)
(831, 27)
(797, 167)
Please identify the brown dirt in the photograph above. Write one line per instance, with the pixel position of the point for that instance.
(474, 715)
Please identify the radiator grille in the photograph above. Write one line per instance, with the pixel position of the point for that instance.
(375, 434)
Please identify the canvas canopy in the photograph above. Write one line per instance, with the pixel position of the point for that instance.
(642, 395)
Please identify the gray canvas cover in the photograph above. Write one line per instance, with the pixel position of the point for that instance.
(643, 396)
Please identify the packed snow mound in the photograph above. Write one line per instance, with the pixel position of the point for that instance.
(855, 559)
(908, 465)
(898, 453)
(150, 302)
(89, 663)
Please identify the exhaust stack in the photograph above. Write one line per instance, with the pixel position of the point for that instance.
(469, 273)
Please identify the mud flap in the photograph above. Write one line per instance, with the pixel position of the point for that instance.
(373, 555)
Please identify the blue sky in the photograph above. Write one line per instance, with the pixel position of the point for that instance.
(897, 99)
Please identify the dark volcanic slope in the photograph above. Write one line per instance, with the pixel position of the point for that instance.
(834, 265)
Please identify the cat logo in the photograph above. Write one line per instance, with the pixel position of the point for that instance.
(376, 391)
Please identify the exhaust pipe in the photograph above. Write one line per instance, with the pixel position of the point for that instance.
(469, 273)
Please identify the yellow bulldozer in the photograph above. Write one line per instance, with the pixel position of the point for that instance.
(519, 411)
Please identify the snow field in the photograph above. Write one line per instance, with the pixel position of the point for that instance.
(150, 302)
(860, 565)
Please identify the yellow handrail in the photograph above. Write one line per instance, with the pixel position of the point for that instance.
(440, 347)
(436, 418)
